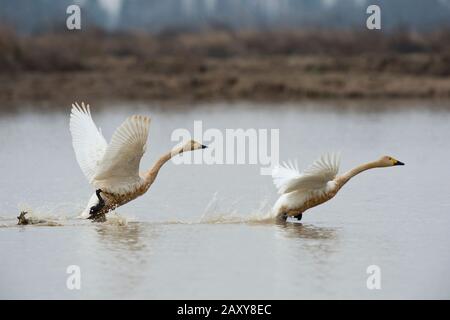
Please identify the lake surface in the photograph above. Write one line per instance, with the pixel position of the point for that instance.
(198, 232)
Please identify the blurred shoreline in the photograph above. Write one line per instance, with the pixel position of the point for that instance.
(180, 67)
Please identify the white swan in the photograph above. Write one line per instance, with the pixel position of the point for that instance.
(114, 169)
(317, 184)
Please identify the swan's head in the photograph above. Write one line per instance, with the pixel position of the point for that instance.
(387, 161)
(192, 145)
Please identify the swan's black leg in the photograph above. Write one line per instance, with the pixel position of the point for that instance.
(93, 212)
(22, 219)
(97, 192)
(298, 217)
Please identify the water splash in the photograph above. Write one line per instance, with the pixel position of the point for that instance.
(214, 215)
(60, 211)
(217, 211)
(62, 214)
(115, 219)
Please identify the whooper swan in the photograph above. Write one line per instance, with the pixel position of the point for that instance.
(317, 184)
(114, 169)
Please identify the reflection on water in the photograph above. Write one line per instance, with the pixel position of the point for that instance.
(306, 231)
(121, 237)
(185, 243)
(123, 254)
(316, 241)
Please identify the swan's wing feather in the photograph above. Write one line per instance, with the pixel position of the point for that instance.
(88, 141)
(283, 174)
(119, 168)
(287, 178)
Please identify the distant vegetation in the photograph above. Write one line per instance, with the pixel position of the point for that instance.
(221, 64)
(69, 51)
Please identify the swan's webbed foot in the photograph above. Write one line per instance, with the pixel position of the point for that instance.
(284, 216)
(95, 211)
(22, 219)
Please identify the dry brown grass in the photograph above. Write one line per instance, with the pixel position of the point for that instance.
(251, 65)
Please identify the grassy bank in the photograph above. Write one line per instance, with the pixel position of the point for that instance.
(220, 65)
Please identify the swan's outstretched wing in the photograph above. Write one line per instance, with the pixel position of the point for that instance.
(287, 178)
(119, 169)
(88, 141)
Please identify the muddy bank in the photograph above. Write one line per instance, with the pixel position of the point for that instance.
(283, 66)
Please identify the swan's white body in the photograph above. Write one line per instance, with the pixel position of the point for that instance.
(299, 190)
(297, 199)
(317, 184)
(113, 168)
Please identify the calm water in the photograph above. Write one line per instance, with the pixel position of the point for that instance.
(195, 234)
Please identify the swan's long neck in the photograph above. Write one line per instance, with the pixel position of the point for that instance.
(151, 174)
(343, 179)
